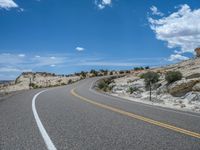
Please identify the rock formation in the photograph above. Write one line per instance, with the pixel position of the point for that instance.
(30, 80)
(197, 50)
(184, 93)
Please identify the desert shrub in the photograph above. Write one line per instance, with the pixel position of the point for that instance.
(51, 85)
(104, 84)
(63, 83)
(33, 85)
(105, 72)
(77, 73)
(128, 71)
(150, 78)
(110, 87)
(121, 72)
(111, 73)
(131, 90)
(83, 74)
(147, 67)
(138, 68)
(173, 76)
(70, 81)
(94, 72)
(141, 76)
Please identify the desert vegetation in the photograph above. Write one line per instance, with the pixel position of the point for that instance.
(141, 68)
(106, 84)
(173, 76)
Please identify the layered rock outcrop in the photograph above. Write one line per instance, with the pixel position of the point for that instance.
(180, 88)
(197, 50)
(29, 80)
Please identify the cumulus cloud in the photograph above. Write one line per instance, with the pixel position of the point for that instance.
(180, 29)
(101, 4)
(155, 11)
(8, 4)
(177, 57)
(80, 49)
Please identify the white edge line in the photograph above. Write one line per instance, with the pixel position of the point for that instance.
(143, 104)
(46, 138)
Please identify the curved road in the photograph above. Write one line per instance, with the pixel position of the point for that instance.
(77, 117)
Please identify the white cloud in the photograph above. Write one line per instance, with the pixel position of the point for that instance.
(53, 65)
(106, 2)
(80, 49)
(21, 55)
(119, 64)
(101, 4)
(12, 64)
(8, 4)
(53, 57)
(177, 57)
(7, 58)
(37, 56)
(48, 61)
(180, 29)
(13, 69)
(155, 11)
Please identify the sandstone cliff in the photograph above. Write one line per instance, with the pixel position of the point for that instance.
(184, 93)
(29, 80)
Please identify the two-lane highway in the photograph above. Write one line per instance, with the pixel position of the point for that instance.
(77, 117)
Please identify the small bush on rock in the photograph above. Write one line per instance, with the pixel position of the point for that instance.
(33, 85)
(131, 90)
(70, 81)
(173, 76)
(104, 84)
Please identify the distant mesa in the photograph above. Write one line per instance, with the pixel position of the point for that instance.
(197, 50)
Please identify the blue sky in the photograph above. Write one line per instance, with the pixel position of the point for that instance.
(67, 36)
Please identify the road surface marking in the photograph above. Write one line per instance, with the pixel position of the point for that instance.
(151, 121)
(47, 140)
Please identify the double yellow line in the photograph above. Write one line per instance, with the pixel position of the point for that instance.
(138, 117)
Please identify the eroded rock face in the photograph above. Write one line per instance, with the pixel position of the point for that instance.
(192, 96)
(194, 75)
(197, 50)
(41, 79)
(196, 87)
(181, 87)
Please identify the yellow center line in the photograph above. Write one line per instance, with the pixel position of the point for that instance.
(138, 117)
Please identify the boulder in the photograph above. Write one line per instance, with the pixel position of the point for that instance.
(181, 87)
(196, 87)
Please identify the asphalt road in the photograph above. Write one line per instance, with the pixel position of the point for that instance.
(76, 117)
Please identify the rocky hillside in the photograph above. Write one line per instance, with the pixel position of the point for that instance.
(182, 94)
(30, 80)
